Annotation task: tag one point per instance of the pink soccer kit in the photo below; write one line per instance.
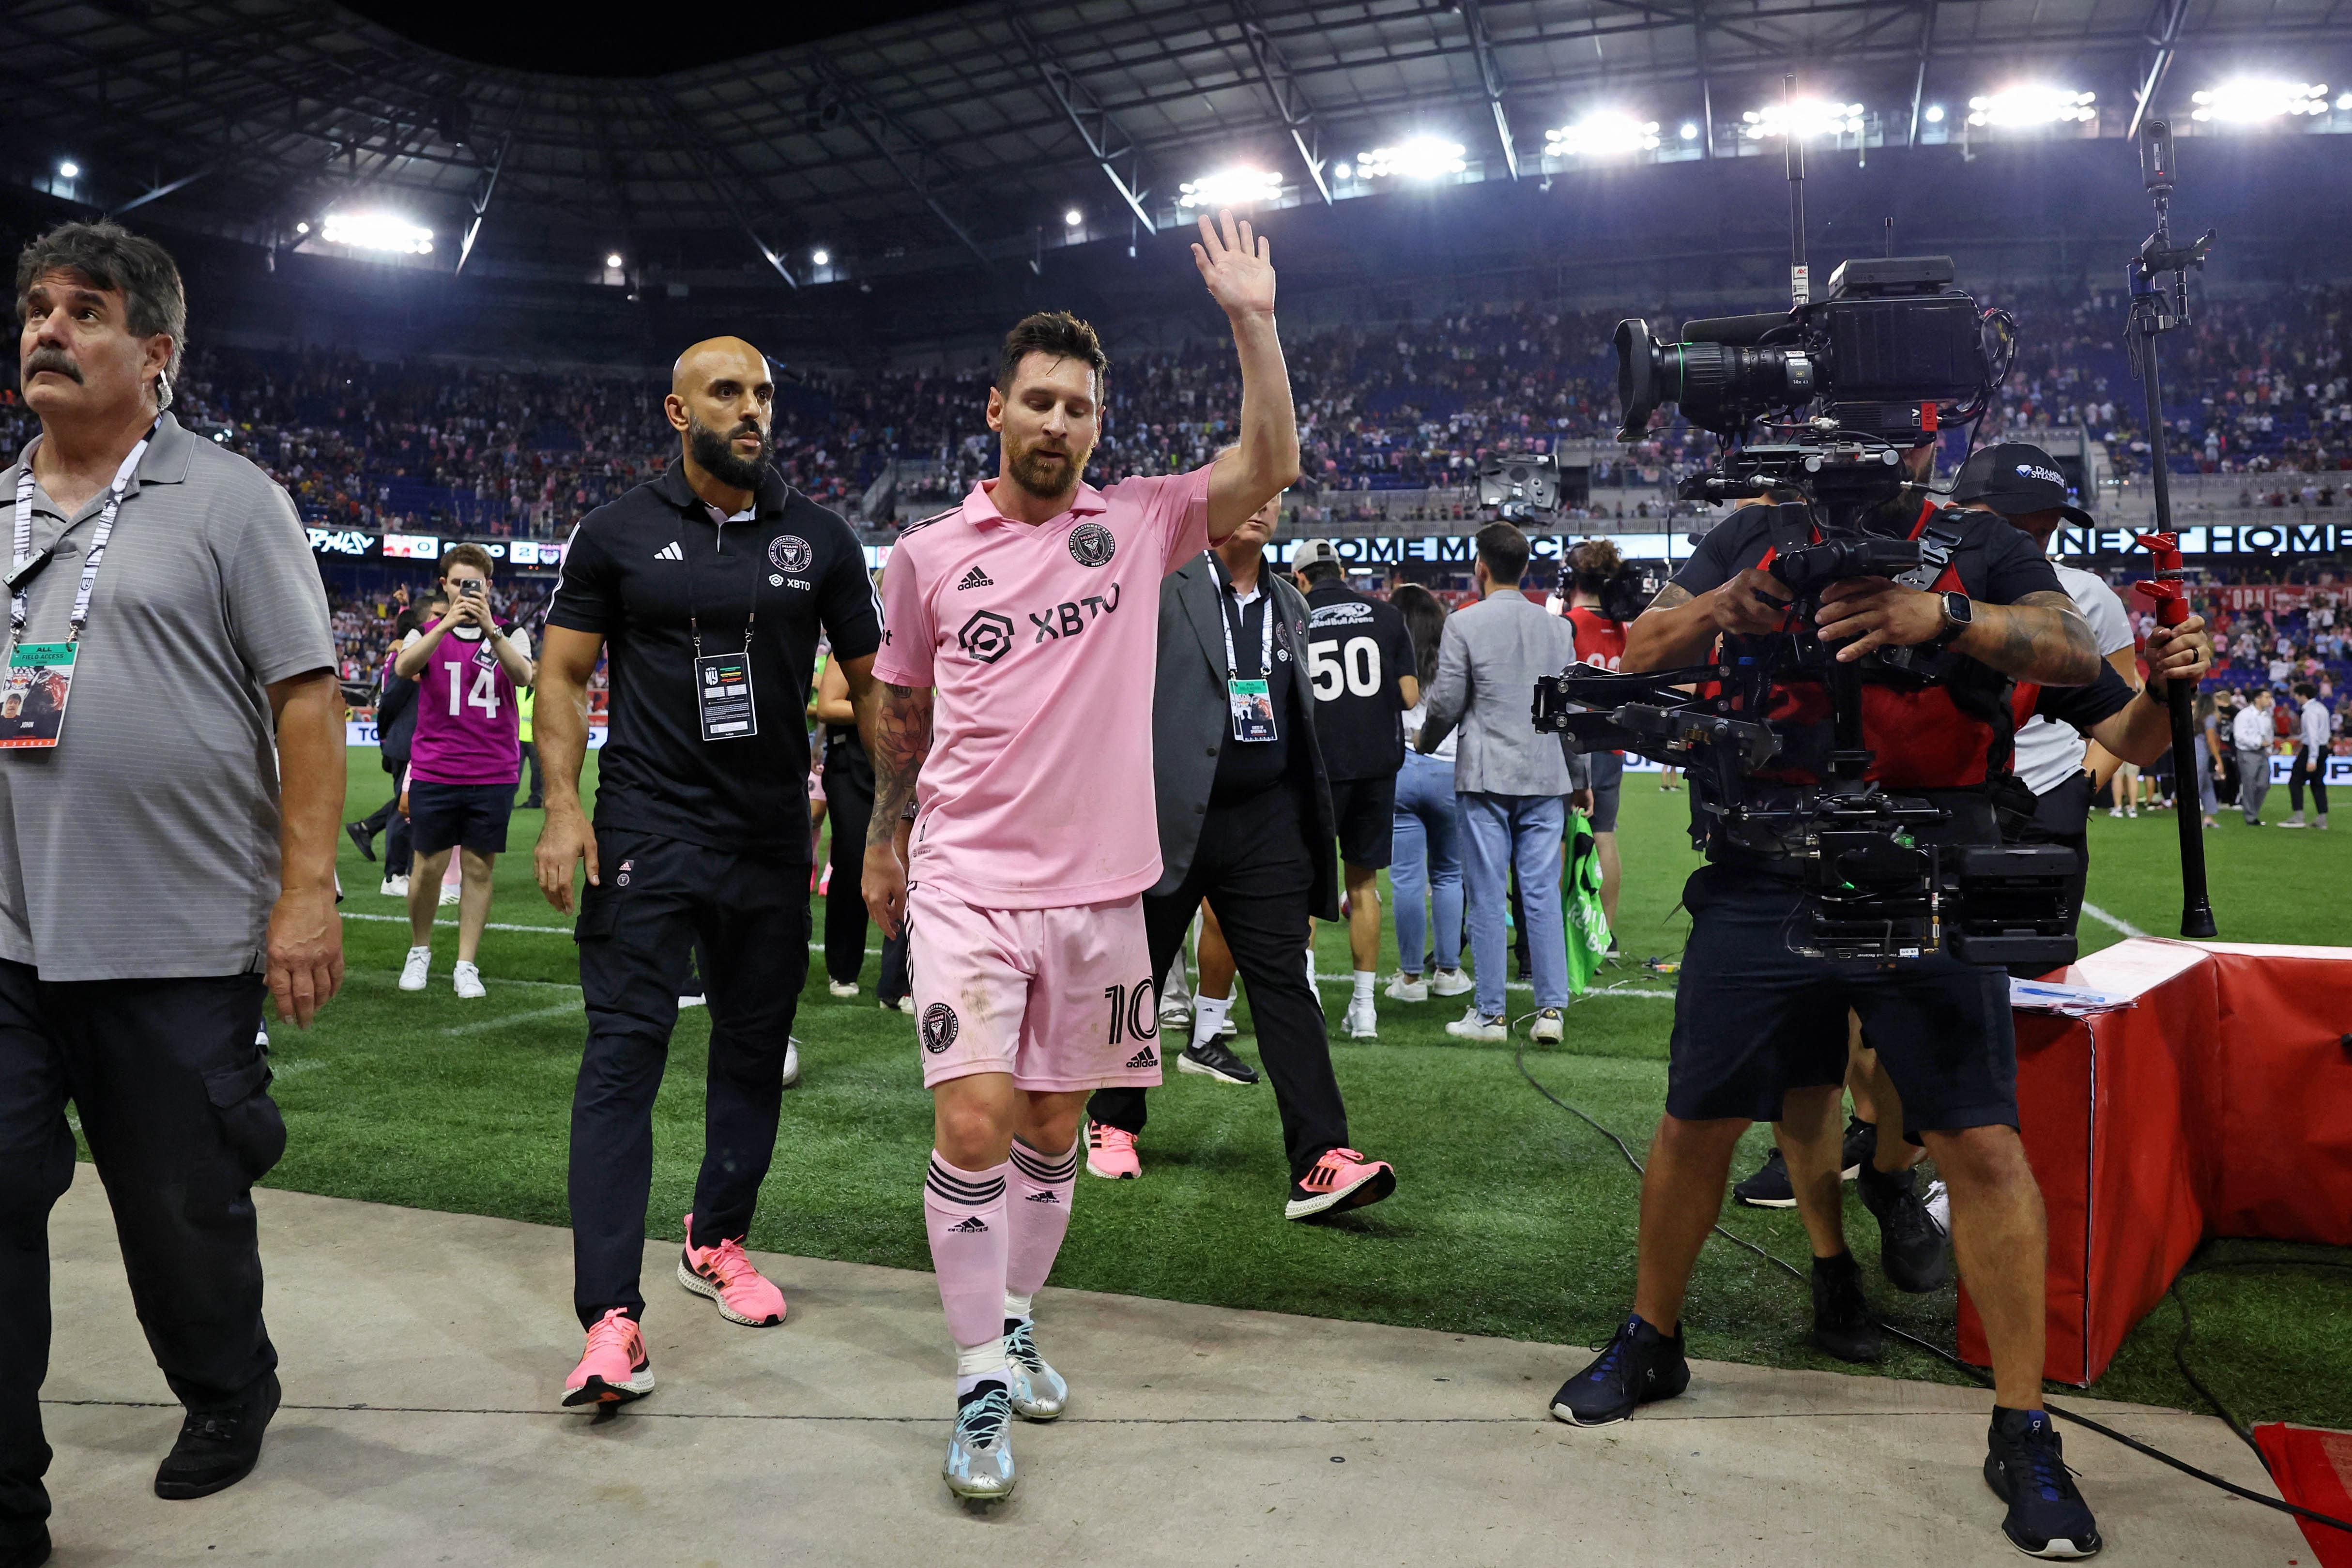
(467, 727)
(1036, 833)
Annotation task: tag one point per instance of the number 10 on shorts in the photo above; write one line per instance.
(1134, 1010)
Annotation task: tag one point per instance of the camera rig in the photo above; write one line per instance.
(1864, 376)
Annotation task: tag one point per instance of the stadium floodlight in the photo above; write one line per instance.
(69, 169)
(1604, 133)
(613, 261)
(302, 228)
(2246, 100)
(1074, 217)
(2013, 106)
(377, 231)
(1240, 186)
(823, 257)
(2345, 101)
(1416, 158)
(1690, 130)
(1807, 118)
(1935, 114)
(1343, 169)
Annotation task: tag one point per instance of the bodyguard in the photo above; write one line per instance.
(167, 852)
(706, 588)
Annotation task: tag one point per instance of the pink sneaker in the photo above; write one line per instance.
(615, 1367)
(1110, 1152)
(724, 1274)
(1342, 1179)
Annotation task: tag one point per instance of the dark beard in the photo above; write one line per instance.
(717, 455)
(1044, 481)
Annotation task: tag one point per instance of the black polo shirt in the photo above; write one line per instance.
(636, 572)
(1357, 648)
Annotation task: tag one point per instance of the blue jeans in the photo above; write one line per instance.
(1501, 831)
(1428, 861)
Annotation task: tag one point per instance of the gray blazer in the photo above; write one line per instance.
(1190, 724)
(1487, 668)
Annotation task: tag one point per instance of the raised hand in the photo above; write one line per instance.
(1236, 265)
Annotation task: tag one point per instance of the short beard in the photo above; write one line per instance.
(716, 453)
(1025, 469)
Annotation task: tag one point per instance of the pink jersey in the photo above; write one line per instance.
(1041, 641)
(467, 728)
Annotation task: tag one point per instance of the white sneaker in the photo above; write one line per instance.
(695, 1000)
(1938, 1200)
(1364, 1021)
(1474, 1025)
(395, 887)
(1401, 989)
(412, 972)
(467, 980)
(1545, 1030)
(2294, 822)
(2114, 810)
(792, 1061)
(1451, 983)
(448, 895)
(842, 987)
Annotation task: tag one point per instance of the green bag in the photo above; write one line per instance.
(1587, 926)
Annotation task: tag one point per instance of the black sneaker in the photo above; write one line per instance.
(1861, 1148)
(2026, 1468)
(1842, 1321)
(27, 1548)
(1770, 1187)
(1638, 1365)
(1910, 1248)
(217, 1449)
(362, 837)
(1211, 1060)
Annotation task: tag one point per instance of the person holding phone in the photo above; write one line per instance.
(463, 760)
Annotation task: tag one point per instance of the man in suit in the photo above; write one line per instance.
(1245, 821)
(1510, 779)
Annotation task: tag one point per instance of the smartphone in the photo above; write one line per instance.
(471, 587)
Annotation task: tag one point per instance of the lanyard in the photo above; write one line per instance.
(1265, 652)
(19, 607)
(693, 621)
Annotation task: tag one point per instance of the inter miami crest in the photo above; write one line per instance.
(939, 1027)
(1091, 544)
(987, 636)
(789, 552)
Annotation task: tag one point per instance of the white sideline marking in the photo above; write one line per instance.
(481, 1026)
(506, 925)
(2104, 918)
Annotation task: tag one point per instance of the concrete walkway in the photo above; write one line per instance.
(424, 1353)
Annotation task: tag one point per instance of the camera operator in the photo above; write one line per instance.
(1765, 1038)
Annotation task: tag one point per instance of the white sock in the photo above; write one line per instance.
(1018, 1306)
(1209, 1016)
(1364, 979)
(426, 950)
(978, 1364)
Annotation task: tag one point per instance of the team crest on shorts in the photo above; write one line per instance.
(789, 552)
(1091, 544)
(939, 1027)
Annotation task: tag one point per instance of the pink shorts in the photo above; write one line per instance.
(1063, 999)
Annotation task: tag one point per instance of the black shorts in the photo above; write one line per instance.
(445, 816)
(1608, 786)
(1365, 810)
(1753, 1020)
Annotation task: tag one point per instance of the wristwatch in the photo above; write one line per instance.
(1959, 616)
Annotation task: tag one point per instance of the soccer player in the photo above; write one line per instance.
(1014, 715)
(464, 760)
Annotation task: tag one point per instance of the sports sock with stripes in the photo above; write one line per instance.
(1039, 1206)
(964, 1211)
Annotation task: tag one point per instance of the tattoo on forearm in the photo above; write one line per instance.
(2042, 637)
(900, 741)
(1672, 597)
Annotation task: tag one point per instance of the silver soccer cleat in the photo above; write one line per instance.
(1038, 1392)
(980, 1450)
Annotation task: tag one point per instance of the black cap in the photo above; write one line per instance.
(2014, 478)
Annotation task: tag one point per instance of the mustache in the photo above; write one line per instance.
(50, 359)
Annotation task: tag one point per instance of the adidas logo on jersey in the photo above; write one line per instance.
(670, 551)
(1144, 1058)
(972, 1226)
(975, 578)
(1041, 1197)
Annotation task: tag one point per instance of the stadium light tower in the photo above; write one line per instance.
(1236, 187)
(377, 231)
(1806, 118)
(69, 169)
(613, 261)
(2023, 106)
(1073, 218)
(1415, 158)
(822, 257)
(1606, 134)
(2247, 101)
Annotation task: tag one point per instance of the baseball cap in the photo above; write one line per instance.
(2014, 477)
(1316, 552)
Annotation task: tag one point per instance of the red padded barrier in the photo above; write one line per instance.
(2221, 1104)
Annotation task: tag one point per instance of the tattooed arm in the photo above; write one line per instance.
(2042, 637)
(1680, 627)
(895, 723)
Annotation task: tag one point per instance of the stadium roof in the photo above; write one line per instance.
(934, 139)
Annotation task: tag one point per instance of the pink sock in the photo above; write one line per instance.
(1040, 1214)
(964, 1212)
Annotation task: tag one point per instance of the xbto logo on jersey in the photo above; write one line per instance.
(789, 552)
(1091, 544)
(1064, 620)
(987, 636)
(939, 1027)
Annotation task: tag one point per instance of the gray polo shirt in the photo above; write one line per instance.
(145, 845)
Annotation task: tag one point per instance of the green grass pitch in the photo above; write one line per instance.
(1510, 1218)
